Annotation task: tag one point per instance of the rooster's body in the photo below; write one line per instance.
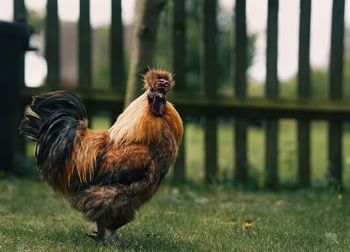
(106, 175)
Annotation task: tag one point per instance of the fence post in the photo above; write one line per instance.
(84, 45)
(179, 68)
(335, 91)
(117, 83)
(271, 139)
(240, 84)
(304, 90)
(52, 45)
(14, 39)
(208, 82)
(116, 49)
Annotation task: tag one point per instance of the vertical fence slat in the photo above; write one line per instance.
(210, 139)
(116, 48)
(304, 153)
(241, 150)
(179, 64)
(271, 140)
(84, 45)
(335, 91)
(19, 11)
(304, 88)
(179, 54)
(52, 47)
(240, 84)
(208, 75)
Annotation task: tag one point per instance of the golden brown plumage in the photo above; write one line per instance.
(106, 175)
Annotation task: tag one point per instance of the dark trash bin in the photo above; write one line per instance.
(14, 42)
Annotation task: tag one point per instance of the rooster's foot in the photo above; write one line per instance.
(115, 239)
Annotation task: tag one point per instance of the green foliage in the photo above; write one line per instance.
(34, 218)
(36, 20)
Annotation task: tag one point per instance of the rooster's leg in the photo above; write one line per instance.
(98, 233)
(116, 239)
(101, 231)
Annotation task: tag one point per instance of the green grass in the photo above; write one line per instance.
(33, 218)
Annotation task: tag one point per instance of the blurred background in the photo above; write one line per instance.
(194, 152)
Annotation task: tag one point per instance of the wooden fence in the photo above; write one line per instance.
(208, 104)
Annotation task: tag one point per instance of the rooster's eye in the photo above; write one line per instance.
(152, 89)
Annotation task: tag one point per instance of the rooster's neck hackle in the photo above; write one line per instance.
(138, 125)
(145, 121)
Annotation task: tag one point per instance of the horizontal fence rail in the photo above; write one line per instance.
(208, 104)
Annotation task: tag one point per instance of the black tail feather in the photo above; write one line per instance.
(52, 124)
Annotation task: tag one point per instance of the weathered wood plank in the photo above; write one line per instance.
(19, 15)
(240, 55)
(335, 152)
(304, 90)
(116, 49)
(84, 45)
(52, 46)
(304, 87)
(178, 46)
(208, 84)
(11, 82)
(304, 153)
(208, 47)
(179, 69)
(337, 50)
(249, 107)
(210, 149)
(271, 88)
(271, 157)
(241, 150)
(335, 90)
(240, 86)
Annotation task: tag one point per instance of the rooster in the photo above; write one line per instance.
(107, 175)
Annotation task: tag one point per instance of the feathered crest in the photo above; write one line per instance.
(151, 78)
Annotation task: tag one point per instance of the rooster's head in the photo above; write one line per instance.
(157, 83)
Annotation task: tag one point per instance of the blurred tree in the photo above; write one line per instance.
(144, 42)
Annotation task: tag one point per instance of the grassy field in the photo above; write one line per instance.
(34, 218)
